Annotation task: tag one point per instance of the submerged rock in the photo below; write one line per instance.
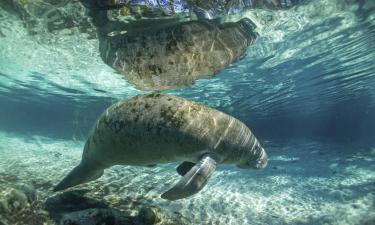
(98, 216)
(147, 216)
(177, 55)
(110, 216)
(12, 200)
(29, 191)
(77, 208)
(20, 206)
(70, 201)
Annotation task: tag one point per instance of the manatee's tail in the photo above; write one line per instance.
(80, 174)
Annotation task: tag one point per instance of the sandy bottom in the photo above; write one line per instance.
(306, 182)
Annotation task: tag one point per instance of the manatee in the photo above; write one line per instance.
(176, 55)
(153, 129)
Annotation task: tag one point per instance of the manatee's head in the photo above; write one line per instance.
(254, 158)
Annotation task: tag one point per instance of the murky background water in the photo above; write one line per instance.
(306, 88)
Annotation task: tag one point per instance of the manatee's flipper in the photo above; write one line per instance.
(184, 167)
(193, 181)
(80, 174)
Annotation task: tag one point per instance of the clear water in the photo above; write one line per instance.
(306, 88)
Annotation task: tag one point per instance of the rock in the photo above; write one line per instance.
(12, 200)
(75, 208)
(147, 216)
(98, 216)
(29, 191)
(70, 201)
(20, 206)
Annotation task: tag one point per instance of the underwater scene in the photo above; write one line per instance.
(177, 112)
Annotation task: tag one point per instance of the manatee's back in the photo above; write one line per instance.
(148, 129)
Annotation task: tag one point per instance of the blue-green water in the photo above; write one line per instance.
(306, 88)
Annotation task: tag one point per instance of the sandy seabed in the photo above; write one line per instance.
(306, 182)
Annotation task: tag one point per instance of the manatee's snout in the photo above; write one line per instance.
(262, 160)
(259, 162)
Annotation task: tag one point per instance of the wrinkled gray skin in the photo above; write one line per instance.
(156, 128)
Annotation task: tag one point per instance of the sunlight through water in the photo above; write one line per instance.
(305, 87)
